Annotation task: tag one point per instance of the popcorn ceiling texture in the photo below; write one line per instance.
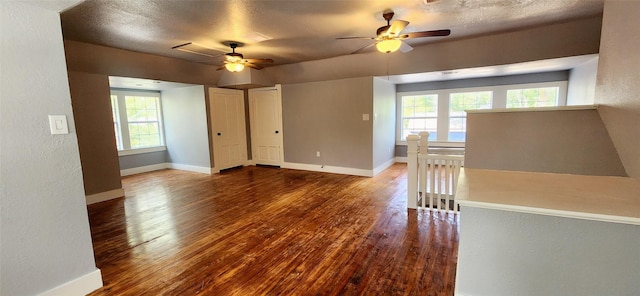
(301, 30)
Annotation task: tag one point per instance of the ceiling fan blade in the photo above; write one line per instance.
(434, 33)
(396, 27)
(253, 61)
(344, 38)
(250, 65)
(404, 48)
(363, 48)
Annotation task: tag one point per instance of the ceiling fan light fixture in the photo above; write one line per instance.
(388, 45)
(234, 67)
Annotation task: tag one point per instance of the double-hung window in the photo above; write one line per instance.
(533, 97)
(458, 103)
(442, 113)
(420, 113)
(137, 120)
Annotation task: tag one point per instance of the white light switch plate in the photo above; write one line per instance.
(365, 117)
(58, 124)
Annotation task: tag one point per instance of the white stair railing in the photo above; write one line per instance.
(432, 178)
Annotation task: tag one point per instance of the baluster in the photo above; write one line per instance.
(447, 179)
(432, 185)
(423, 168)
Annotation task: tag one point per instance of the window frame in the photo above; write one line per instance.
(401, 111)
(123, 122)
(499, 101)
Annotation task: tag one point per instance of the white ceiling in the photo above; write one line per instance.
(300, 30)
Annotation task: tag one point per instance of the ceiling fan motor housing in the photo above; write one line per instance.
(235, 55)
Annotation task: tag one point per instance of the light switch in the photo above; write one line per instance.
(58, 124)
(365, 117)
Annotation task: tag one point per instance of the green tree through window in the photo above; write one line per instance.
(532, 97)
(420, 113)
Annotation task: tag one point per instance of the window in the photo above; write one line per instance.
(532, 97)
(459, 102)
(116, 125)
(420, 113)
(442, 112)
(137, 119)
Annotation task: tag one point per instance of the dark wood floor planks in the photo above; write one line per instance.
(268, 231)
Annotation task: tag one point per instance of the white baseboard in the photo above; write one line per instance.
(383, 166)
(103, 196)
(327, 169)
(144, 169)
(191, 168)
(402, 159)
(167, 165)
(79, 286)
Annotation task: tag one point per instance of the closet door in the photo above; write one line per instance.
(265, 108)
(228, 129)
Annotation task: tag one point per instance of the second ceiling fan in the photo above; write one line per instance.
(389, 38)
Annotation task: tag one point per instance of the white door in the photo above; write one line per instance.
(228, 128)
(265, 108)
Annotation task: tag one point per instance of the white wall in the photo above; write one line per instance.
(618, 87)
(45, 238)
(185, 126)
(582, 83)
(506, 253)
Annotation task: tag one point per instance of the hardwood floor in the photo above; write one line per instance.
(268, 231)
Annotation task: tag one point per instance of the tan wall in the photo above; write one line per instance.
(89, 67)
(96, 137)
(110, 61)
(618, 82)
(572, 142)
(578, 37)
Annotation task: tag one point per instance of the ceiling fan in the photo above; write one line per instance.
(235, 62)
(389, 38)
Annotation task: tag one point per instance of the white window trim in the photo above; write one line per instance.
(499, 98)
(122, 116)
(141, 150)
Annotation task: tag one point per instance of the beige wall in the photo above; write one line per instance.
(110, 61)
(571, 142)
(96, 137)
(326, 116)
(618, 82)
(89, 67)
(578, 37)
(321, 86)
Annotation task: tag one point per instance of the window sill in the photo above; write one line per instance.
(437, 144)
(141, 150)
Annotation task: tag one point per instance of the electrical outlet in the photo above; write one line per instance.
(317, 153)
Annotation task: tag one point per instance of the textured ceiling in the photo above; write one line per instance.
(301, 30)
